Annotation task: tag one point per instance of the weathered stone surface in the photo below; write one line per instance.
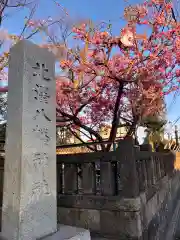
(128, 185)
(122, 224)
(173, 225)
(69, 233)
(111, 224)
(166, 200)
(99, 202)
(144, 217)
(29, 196)
(85, 218)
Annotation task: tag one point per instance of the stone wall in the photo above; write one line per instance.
(157, 211)
(143, 217)
(138, 204)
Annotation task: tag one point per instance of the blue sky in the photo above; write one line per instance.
(97, 10)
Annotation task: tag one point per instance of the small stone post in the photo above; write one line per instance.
(29, 195)
(128, 178)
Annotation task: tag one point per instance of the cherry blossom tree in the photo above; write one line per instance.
(119, 80)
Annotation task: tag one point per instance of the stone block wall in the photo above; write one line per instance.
(144, 217)
(122, 223)
(142, 200)
(157, 211)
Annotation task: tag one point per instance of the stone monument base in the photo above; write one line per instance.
(69, 233)
(65, 233)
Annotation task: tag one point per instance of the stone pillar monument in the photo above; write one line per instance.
(29, 194)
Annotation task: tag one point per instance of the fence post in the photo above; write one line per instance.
(70, 179)
(107, 179)
(128, 182)
(88, 178)
(59, 176)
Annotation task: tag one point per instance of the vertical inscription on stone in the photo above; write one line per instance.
(41, 71)
(41, 95)
(42, 133)
(41, 112)
(40, 159)
(40, 185)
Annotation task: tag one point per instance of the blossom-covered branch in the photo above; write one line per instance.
(131, 72)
